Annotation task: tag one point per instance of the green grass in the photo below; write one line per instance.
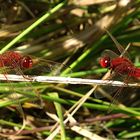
(59, 34)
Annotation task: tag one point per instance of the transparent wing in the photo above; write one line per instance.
(104, 91)
(118, 45)
(46, 67)
(40, 67)
(109, 53)
(28, 85)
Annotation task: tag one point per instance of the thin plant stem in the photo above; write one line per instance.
(33, 26)
(66, 80)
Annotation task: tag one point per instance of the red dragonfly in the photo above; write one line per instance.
(14, 62)
(17, 62)
(121, 65)
(11, 60)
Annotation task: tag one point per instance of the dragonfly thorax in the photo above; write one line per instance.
(122, 65)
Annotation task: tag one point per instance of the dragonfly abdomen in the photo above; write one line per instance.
(135, 72)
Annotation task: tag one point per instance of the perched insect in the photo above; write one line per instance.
(20, 64)
(121, 67)
(16, 63)
(13, 59)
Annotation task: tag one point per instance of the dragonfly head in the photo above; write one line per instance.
(105, 62)
(26, 62)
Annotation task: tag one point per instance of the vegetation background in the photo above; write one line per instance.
(69, 32)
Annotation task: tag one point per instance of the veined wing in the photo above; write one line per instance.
(118, 45)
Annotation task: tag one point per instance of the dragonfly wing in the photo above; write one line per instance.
(47, 67)
(109, 53)
(104, 91)
(118, 45)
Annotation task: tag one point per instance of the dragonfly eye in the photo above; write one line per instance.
(105, 62)
(26, 62)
